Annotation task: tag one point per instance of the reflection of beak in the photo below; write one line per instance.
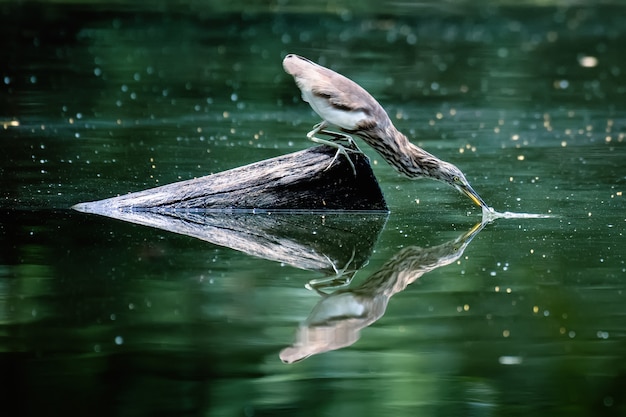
(473, 195)
(477, 227)
(464, 240)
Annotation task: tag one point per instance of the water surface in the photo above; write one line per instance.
(102, 316)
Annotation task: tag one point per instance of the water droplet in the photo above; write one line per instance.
(588, 61)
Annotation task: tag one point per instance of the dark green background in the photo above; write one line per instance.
(101, 317)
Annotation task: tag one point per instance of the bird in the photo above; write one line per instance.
(343, 103)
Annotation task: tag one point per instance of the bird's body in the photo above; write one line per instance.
(342, 102)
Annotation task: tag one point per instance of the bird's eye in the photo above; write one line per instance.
(456, 178)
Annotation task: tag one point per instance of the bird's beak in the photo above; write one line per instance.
(473, 195)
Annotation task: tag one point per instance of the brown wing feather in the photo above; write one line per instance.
(340, 91)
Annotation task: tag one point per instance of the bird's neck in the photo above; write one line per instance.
(404, 156)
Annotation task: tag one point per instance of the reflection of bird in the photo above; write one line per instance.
(338, 318)
(343, 103)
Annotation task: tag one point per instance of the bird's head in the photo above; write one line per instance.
(452, 175)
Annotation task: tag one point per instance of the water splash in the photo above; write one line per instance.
(489, 214)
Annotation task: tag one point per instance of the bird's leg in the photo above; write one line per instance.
(342, 136)
(337, 136)
(341, 150)
(342, 277)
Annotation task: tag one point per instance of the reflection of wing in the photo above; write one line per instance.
(337, 319)
(334, 323)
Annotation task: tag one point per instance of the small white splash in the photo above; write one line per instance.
(510, 360)
(119, 340)
(489, 214)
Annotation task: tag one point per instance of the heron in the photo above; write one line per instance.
(343, 103)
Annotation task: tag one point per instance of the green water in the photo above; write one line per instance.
(104, 317)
